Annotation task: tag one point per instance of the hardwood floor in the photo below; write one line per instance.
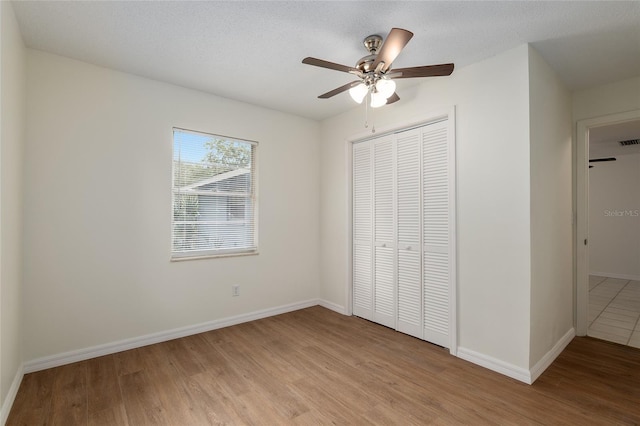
(314, 366)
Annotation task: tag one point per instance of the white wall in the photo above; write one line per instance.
(614, 217)
(98, 209)
(12, 125)
(621, 96)
(492, 139)
(551, 195)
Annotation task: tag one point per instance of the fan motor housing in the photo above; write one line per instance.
(372, 43)
(365, 63)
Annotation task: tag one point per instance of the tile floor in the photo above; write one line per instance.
(614, 310)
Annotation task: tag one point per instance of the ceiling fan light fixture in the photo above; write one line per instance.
(377, 99)
(376, 76)
(359, 92)
(386, 87)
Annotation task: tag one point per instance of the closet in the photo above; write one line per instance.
(403, 221)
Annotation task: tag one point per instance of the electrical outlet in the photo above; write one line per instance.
(235, 290)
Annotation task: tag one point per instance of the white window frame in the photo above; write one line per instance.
(253, 196)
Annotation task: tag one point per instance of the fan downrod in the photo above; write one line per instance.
(372, 43)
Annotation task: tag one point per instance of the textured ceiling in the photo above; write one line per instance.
(251, 51)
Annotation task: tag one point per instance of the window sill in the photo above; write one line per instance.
(212, 256)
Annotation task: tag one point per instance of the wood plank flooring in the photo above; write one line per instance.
(316, 367)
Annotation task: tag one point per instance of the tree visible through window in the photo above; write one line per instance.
(213, 195)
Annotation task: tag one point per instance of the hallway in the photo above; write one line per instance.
(614, 310)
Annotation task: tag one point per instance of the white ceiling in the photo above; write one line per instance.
(252, 51)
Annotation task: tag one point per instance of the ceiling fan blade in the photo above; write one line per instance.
(600, 160)
(424, 71)
(339, 90)
(330, 65)
(393, 98)
(391, 48)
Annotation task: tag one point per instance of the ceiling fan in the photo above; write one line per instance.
(374, 72)
(600, 160)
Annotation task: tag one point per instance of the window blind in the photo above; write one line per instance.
(213, 195)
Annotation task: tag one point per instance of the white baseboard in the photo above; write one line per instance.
(518, 373)
(163, 336)
(495, 364)
(11, 395)
(618, 276)
(333, 306)
(550, 356)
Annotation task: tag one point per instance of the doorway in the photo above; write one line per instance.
(608, 206)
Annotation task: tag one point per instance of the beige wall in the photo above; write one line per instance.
(621, 96)
(98, 209)
(12, 125)
(492, 143)
(551, 222)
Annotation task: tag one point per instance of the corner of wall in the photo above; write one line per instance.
(551, 292)
(8, 401)
(12, 134)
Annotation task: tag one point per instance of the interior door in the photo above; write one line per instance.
(409, 232)
(384, 305)
(362, 230)
(437, 193)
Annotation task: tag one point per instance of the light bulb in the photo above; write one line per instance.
(359, 92)
(377, 99)
(386, 87)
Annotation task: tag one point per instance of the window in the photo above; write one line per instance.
(213, 195)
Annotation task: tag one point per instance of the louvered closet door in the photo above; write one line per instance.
(436, 198)
(403, 221)
(384, 295)
(363, 230)
(408, 231)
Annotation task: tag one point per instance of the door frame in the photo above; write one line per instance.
(428, 117)
(582, 210)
